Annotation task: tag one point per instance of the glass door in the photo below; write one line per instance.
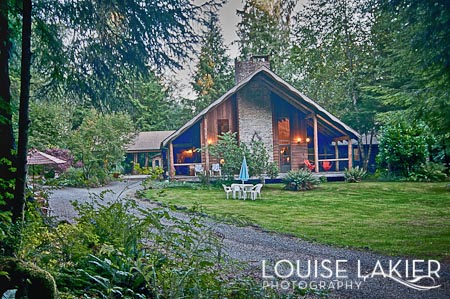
(285, 158)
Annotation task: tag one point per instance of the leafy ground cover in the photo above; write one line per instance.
(394, 218)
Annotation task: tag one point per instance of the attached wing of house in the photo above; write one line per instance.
(295, 128)
(145, 149)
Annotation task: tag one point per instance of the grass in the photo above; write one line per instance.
(394, 218)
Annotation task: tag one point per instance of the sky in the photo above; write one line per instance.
(228, 21)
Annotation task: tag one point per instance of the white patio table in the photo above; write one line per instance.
(244, 188)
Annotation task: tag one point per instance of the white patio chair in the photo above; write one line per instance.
(227, 190)
(215, 168)
(255, 191)
(236, 188)
(198, 168)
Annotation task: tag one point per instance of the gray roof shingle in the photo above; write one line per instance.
(148, 141)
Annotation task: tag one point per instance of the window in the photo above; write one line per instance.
(284, 131)
(223, 126)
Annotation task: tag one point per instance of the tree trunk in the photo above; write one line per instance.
(369, 150)
(365, 155)
(362, 152)
(19, 196)
(6, 130)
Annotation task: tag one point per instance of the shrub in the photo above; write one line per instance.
(257, 156)
(272, 170)
(403, 147)
(300, 180)
(154, 173)
(354, 175)
(99, 142)
(323, 179)
(232, 152)
(429, 172)
(228, 149)
(75, 177)
(72, 177)
(117, 250)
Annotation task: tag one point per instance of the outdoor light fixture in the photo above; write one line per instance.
(308, 139)
(299, 140)
(222, 161)
(209, 142)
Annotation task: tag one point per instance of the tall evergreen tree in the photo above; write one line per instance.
(100, 43)
(125, 40)
(264, 29)
(6, 110)
(24, 119)
(153, 106)
(213, 76)
(414, 67)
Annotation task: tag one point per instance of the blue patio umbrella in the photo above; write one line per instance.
(243, 174)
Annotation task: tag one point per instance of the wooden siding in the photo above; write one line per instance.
(226, 110)
(299, 151)
(223, 111)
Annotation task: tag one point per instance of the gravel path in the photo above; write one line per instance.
(253, 245)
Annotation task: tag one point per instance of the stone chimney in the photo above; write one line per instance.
(242, 69)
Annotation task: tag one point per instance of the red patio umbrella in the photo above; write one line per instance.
(36, 157)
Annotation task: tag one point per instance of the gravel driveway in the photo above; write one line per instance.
(253, 245)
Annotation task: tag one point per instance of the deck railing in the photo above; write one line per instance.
(336, 164)
(187, 169)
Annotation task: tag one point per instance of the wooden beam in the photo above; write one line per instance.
(316, 145)
(293, 101)
(311, 115)
(171, 161)
(331, 160)
(336, 153)
(350, 154)
(332, 125)
(205, 132)
(288, 98)
(346, 137)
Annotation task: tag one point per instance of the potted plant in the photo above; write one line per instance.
(117, 171)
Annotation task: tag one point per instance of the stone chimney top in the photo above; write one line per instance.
(243, 69)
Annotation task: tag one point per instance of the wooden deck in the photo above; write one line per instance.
(330, 174)
(333, 175)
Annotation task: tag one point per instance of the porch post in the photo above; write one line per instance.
(205, 132)
(336, 153)
(316, 144)
(171, 167)
(350, 154)
(135, 161)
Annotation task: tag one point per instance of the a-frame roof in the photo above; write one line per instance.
(296, 97)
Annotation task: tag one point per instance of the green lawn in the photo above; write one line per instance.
(395, 218)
